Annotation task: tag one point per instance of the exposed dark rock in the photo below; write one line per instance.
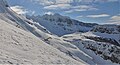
(106, 51)
(101, 39)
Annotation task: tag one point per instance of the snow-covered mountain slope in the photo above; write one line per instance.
(105, 33)
(29, 42)
(97, 50)
(61, 25)
(76, 49)
(20, 47)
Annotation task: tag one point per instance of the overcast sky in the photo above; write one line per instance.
(97, 11)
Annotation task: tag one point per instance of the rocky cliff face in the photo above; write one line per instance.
(106, 51)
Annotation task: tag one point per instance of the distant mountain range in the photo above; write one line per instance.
(61, 25)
